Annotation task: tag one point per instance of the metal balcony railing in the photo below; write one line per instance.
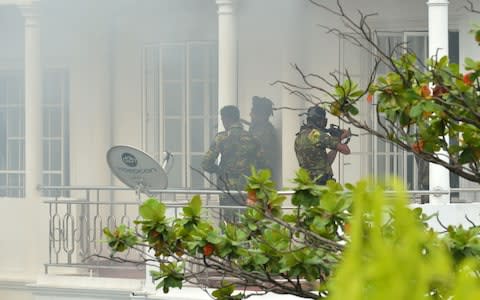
(76, 223)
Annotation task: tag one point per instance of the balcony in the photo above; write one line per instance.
(76, 222)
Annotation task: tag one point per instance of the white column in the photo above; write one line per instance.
(439, 177)
(33, 102)
(227, 55)
(37, 244)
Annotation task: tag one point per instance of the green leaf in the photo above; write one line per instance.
(468, 155)
(432, 107)
(416, 110)
(470, 64)
(442, 62)
(260, 259)
(353, 110)
(153, 210)
(194, 208)
(214, 238)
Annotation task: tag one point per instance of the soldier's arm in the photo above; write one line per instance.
(343, 148)
(208, 161)
(329, 141)
(331, 156)
(334, 144)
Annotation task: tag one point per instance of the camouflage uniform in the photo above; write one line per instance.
(310, 147)
(239, 151)
(264, 132)
(266, 136)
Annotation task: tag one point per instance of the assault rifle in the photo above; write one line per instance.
(336, 131)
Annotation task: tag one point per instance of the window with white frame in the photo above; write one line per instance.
(180, 93)
(55, 130)
(12, 134)
(12, 131)
(390, 159)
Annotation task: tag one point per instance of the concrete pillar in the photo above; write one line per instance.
(439, 177)
(33, 102)
(37, 244)
(227, 55)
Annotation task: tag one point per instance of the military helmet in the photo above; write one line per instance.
(262, 105)
(315, 113)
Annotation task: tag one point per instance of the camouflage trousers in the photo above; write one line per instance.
(323, 179)
(227, 212)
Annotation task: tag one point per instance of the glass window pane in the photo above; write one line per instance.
(14, 91)
(381, 165)
(13, 180)
(21, 144)
(173, 98)
(213, 128)
(52, 122)
(213, 61)
(198, 62)
(15, 185)
(13, 162)
(3, 141)
(54, 115)
(3, 91)
(173, 65)
(399, 162)
(46, 156)
(173, 135)
(197, 179)
(55, 180)
(454, 47)
(53, 91)
(46, 179)
(176, 173)
(196, 135)
(46, 121)
(14, 120)
(212, 98)
(387, 43)
(410, 180)
(21, 122)
(197, 95)
(418, 45)
(3, 185)
(56, 155)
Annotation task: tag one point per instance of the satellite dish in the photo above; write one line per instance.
(136, 169)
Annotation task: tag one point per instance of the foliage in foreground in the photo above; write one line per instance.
(351, 242)
(392, 254)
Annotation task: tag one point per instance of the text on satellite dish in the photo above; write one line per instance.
(137, 171)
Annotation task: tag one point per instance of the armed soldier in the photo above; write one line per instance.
(264, 132)
(238, 150)
(311, 145)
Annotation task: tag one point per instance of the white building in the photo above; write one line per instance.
(79, 76)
